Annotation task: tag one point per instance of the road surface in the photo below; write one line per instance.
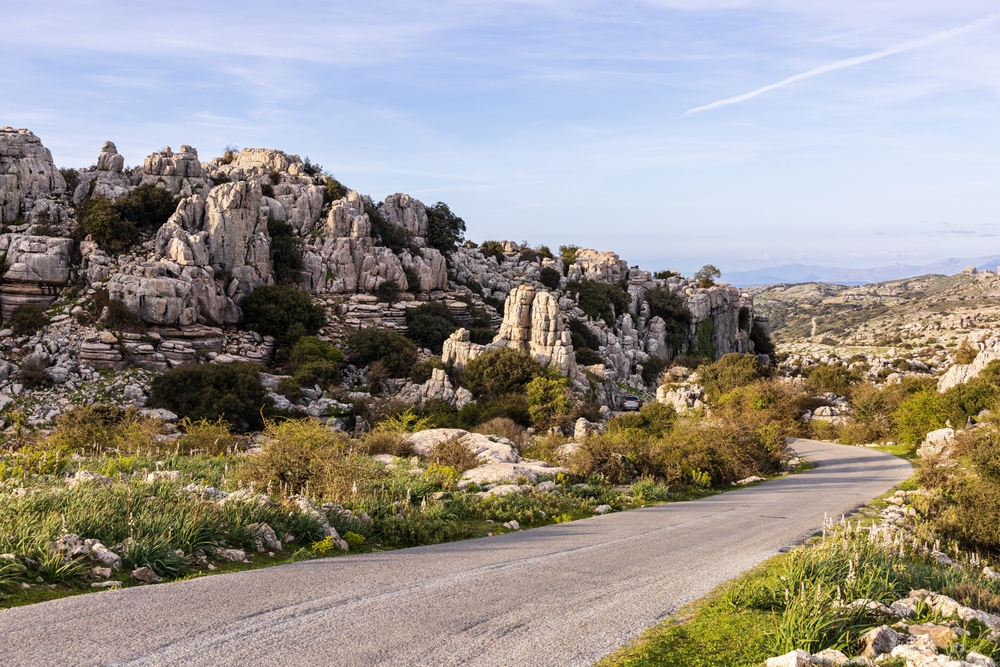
(561, 595)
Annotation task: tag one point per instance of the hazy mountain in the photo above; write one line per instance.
(802, 273)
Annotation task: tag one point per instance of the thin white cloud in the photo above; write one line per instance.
(851, 62)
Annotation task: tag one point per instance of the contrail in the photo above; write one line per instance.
(850, 62)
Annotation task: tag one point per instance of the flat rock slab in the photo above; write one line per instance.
(566, 594)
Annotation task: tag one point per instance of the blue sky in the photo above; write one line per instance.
(563, 122)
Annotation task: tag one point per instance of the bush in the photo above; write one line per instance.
(568, 254)
(98, 218)
(117, 317)
(72, 178)
(213, 391)
(314, 361)
(388, 291)
(102, 428)
(965, 353)
(550, 277)
(445, 230)
(600, 300)
(412, 280)
(206, 437)
(453, 454)
(482, 335)
(502, 371)
(33, 373)
(730, 372)
(26, 320)
(654, 420)
(703, 344)
(706, 276)
(492, 249)
(283, 312)
(429, 325)
(651, 370)
(918, 415)
(503, 427)
(672, 308)
(333, 190)
(147, 207)
(549, 401)
(761, 341)
(286, 253)
(831, 377)
(397, 353)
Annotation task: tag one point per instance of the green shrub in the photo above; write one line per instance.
(26, 320)
(98, 218)
(831, 377)
(703, 344)
(72, 178)
(286, 252)
(651, 370)
(412, 280)
(550, 277)
(453, 454)
(600, 300)
(333, 190)
(388, 291)
(397, 353)
(118, 316)
(429, 325)
(918, 415)
(706, 276)
(33, 373)
(492, 249)
(283, 312)
(653, 420)
(672, 307)
(761, 341)
(730, 372)
(212, 391)
(482, 335)
(587, 357)
(965, 353)
(147, 207)
(550, 401)
(568, 254)
(502, 371)
(445, 230)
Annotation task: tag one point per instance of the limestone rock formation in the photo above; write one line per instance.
(180, 173)
(107, 179)
(38, 267)
(27, 173)
(403, 211)
(989, 350)
(438, 388)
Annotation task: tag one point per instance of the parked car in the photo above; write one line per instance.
(631, 403)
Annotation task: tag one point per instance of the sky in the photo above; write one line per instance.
(673, 132)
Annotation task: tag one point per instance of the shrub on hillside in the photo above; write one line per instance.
(286, 252)
(568, 255)
(762, 343)
(445, 230)
(388, 291)
(333, 190)
(919, 414)
(387, 234)
(114, 314)
(26, 320)
(502, 371)
(706, 276)
(600, 300)
(147, 207)
(212, 391)
(422, 370)
(98, 218)
(831, 377)
(429, 325)
(283, 312)
(703, 344)
(397, 353)
(314, 361)
(730, 372)
(651, 370)
(550, 277)
(550, 401)
(492, 249)
(453, 454)
(672, 308)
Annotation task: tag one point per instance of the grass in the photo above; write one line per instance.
(797, 601)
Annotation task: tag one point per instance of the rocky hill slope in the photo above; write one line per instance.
(259, 216)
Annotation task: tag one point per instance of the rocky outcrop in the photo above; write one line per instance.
(179, 173)
(38, 268)
(437, 388)
(599, 266)
(107, 179)
(27, 173)
(404, 211)
(989, 350)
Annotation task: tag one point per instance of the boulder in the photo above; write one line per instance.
(107, 179)
(146, 576)
(27, 172)
(406, 212)
(179, 173)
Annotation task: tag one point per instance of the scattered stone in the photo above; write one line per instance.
(231, 555)
(106, 584)
(512, 525)
(796, 658)
(879, 641)
(602, 509)
(146, 575)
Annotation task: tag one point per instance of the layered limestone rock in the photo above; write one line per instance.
(408, 213)
(344, 258)
(107, 179)
(179, 173)
(532, 322)
(599, 266)
(27, 173)
(430, 267)
(298, 195)
(437, 388)
(38, 268)
(989, 350)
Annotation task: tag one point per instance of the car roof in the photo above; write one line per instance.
(631, 398)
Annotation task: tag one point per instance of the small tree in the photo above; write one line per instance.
(550, 277)
(429, 325)
(548, 400)
(445, 230)
(706, 276)
(213, 391)
(283, 312)
(397, 353)
(502, 371)
(672, 308)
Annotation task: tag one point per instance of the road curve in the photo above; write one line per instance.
(566, 594)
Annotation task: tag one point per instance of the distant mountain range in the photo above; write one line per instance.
(802, 273)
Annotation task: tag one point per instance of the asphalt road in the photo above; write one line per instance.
(560, 595)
